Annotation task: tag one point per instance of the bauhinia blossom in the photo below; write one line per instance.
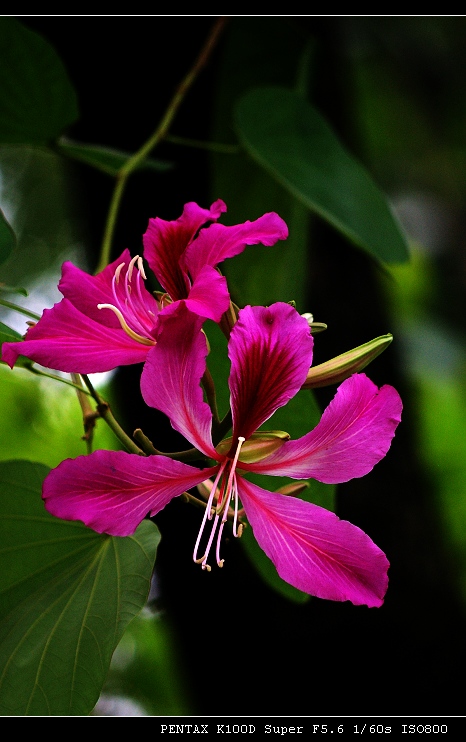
(270, 351)
(111, 319)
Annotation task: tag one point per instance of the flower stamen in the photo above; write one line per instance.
(228, 492)
(134, 315)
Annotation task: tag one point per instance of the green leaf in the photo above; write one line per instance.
(12, 289)
(266, 569)
(37, 99)
(67, 594)
(106, 159)
(282, 132)
(7, 239)
(260, 51)
(8, 335)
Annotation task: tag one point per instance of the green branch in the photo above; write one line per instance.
(161, 131)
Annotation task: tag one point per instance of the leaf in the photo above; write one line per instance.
(8, 335)
(282, 132)
(259, 51)
(37, 99)
(106, 159)
(67, 594)
(266, 569)
(13, 289)
(7, 239)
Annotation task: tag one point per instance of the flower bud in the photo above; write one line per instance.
(294, 489)
(340, 368)
(257, 447)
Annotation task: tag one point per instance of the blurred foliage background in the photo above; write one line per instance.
(393, 89)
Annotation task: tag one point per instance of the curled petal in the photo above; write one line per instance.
(66, 340)
(171, 377)
(113, 491)
(315, 551)
(270, 350)
(218, 242)
(165, 242)
(208, 296)
(354, 434)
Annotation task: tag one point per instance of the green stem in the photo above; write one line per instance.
(38, 372)
(209, 388)
(224, 427)
(89, 415)
(105, 413)
(161, 131)
(17, 308)
(191, 454)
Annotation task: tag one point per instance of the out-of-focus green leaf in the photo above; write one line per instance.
(8, 335)
(7, 239)
(283, 133)
(37, 99)
(67, 595)
(106, 159)
(260, 51)
(12, 289)
(146, 669)
(267, 571)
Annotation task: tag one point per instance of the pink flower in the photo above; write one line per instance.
(270, 351)
(111, 319)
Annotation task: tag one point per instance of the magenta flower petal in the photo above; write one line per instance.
(354, 434)
(66, 340)
(165, 242)
(208, 296)
(171, 377)
(86, 291)
(113, 491)
(315, 551)
(218, 242)
(270, 350)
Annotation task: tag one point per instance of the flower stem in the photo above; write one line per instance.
(191, 454)
(89, 415)
(160, 132)
(106, 414)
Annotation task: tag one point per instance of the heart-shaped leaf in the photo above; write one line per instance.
(67, 594)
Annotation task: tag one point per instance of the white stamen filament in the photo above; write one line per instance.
(130, 308)
(128, 330)
(229, 491)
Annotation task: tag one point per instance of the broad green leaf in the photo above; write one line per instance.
(67, 594)
(7, 238)
(106, 159)
(37, 99)
(282, 132)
